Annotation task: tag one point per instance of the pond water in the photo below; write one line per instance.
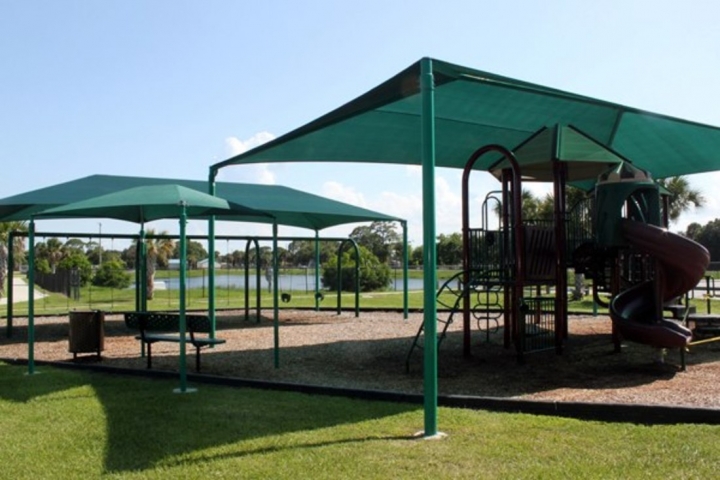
(285, 282)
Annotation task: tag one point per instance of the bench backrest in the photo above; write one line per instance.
(166, 322)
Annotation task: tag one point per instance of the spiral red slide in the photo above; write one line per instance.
(681, 263)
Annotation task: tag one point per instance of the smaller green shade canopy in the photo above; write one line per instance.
(151, 202)
(586, 158)
(283, 205)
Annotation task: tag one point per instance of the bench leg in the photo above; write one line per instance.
(197, 359)
(149, 355)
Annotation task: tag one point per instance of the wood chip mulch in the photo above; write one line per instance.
(369, 352)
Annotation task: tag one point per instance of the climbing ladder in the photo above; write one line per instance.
(449, 302)
(487, 308)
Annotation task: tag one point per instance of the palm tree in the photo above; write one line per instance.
(18, 248)
(533, 207)
(682, 196)
(54, 250)
(576, 202)
(159, 250)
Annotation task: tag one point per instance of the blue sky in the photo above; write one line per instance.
(166, 88)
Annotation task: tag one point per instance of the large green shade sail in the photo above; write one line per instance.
(475, 108)
(285, 205)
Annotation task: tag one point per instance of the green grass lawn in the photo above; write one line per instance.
(113, 300)
(72, 424)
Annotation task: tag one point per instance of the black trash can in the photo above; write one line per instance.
(87, 332)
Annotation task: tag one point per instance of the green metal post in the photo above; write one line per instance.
(276, 316)
(183, 321)
(339, 278)
(211, 254)
(138, 276)
(31, 297)
(246, 263)
(10, 280)
(405, 269)
(430, 383)
(143, 271)
(258, 282)
(317, 271)
(357, 277)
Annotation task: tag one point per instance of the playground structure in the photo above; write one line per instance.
(448, 110)
(617, 236)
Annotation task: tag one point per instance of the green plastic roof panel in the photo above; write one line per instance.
(475, 108)
(288, 206)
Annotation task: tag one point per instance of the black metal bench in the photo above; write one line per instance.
(165, 327)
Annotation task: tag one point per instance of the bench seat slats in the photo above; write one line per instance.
(164, 327)
(157, 337)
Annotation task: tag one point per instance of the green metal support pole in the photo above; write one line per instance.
(246, 263)
(317, 271)
(258, 283)
(211, 255)
(183, 285)
(10, 280)
(339, 278)
(357, 278)
(276, 313)
(138, 277)
(430, 381)
(405, 269)
(31, 297)
(143, 271)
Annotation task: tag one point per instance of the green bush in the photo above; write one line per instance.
(373, 274)
(112, 274)
(42, 266)
(80, 261)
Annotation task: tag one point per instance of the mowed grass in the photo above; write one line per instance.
(121, 300)
(72, 424)
(110, 300)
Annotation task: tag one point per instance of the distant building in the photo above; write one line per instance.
(205, 263)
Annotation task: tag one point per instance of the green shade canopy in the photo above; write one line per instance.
(288, 206)
(475, 108)
(151, 202)
(144, 204)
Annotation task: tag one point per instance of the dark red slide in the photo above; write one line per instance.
(681, 263)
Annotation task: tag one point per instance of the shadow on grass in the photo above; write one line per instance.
(492, 371)
(147, 424)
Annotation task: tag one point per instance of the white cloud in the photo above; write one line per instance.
(706, 183)
(261, 173)
(413, 170)
(235, 146)
(538, 189)
(410, 208)
(343, 193)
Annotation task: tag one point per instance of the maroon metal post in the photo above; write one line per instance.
(519, 244)
(509, 332)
